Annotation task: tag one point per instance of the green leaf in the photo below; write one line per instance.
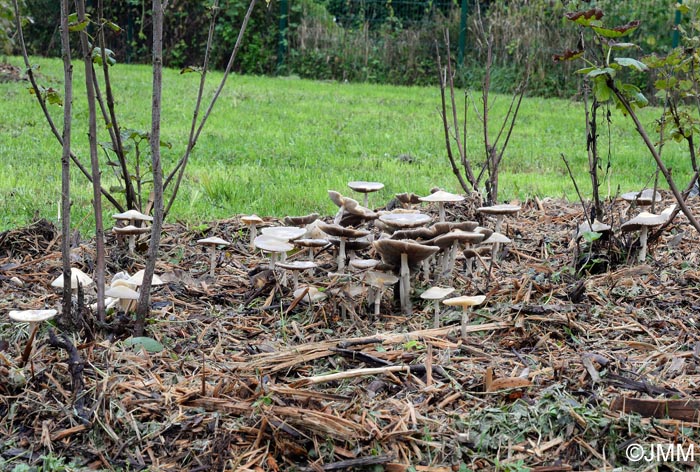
(148, 344)
(620, 46)
(189, 69)
(53, 96)
(605, 70)
(73, 27)
(567, 55)
(97, 56)
(585, 18)
(684, 9)
(586, 70)
(590, 236)
(619, 31)
(634, 63)
(113, 26)
(601, 90)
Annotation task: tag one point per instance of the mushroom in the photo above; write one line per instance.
(343, 234)
(404, 220)
(366, 188)
(33, 317)
(124, 294)
(300, 220)
(643, 198)
(405, 255)
(296, 267)
(252, 222)
(132, 216)
(211, 243)
(363, 264)
(466, 303)
(357, 213)
(441, 197)
(595, 227)
(137, 279)
(285, 233)
(311, 243)
(276, 247)
(499, 211)
(436, 294)
(643, 222)
(449, 243)
(495, 240)
(312, 295)
(379, 280)
(78, 279)
(131, 232)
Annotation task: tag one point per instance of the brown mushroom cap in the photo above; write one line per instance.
(365, 187)
(502, 209)
(445, 240)
(442, 196)
(408, 198)
(465, 301)
(442, 227)
(495, 238)
(300, 220)
(337, 198)
(643, 198)
(213, 241)
(391, 249)
(417, 234)
(354, 208)
(251, 220)
(363, 263)
(341, 231)
(311, 242)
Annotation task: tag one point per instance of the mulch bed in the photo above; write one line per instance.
(252, 378)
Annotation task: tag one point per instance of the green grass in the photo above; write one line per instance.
(274, 146)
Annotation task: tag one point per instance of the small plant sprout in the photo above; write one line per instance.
(500, 212)
(33, 317)
(252, 222)
(211, 244)
(442, 197)
(466, 303)
(379, 281)
(643, 222)
(78, 279)
(295, 267)
(435, 294)
(366, 188)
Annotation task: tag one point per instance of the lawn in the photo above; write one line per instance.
(274, 146)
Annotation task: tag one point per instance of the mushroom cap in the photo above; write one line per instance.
(311, 242)
(270, 244)
(337, 198)
(285, 233)
(405, 220)
(122, 292)
(77, 277)
(363, 263)
(446, 240)
(300, 220)
(437, 293)
(353, 244)
(132, 215)
(213, 241)
(643, 198)
(391, 250)
(365, 187)
(32, 316)
(251, 220)
(485, 231)
(131, 229)
(442, 196)
(474, 251)
(596, 227)
(380, 279)
(313, 295)
(342, 231)
(502, 209)
(137, 279)
(354, 208)
(496, 238)
(417, 234)
(297, 265)
(442, 227)
(465, 301)
(408, 198)
(643, 219)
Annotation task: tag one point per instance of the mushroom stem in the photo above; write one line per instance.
(441, 211)
(132, 244)
(366, 200)
(463, 324)
(341, 255)
(405, 286)
(339, 215)
(499, 223)
(212, 260)
(295, 279)
(644, 232)
(253, 234)
(436, 317)
(377, 302)
(28, 348)
(426, 269)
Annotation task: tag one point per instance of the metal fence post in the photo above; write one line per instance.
(676, 22)
(462, 33)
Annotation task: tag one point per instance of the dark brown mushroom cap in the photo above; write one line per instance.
(341, 231)
(487, 232)
(337, 198)
(466, 237)
(408, 198)
(643, 198)
(300, 220)
(353, 244)
(354, 208)
(311, 242)
(391, 249)
(474, 251)
(443, 227)
(502, 209)
(417, 234)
